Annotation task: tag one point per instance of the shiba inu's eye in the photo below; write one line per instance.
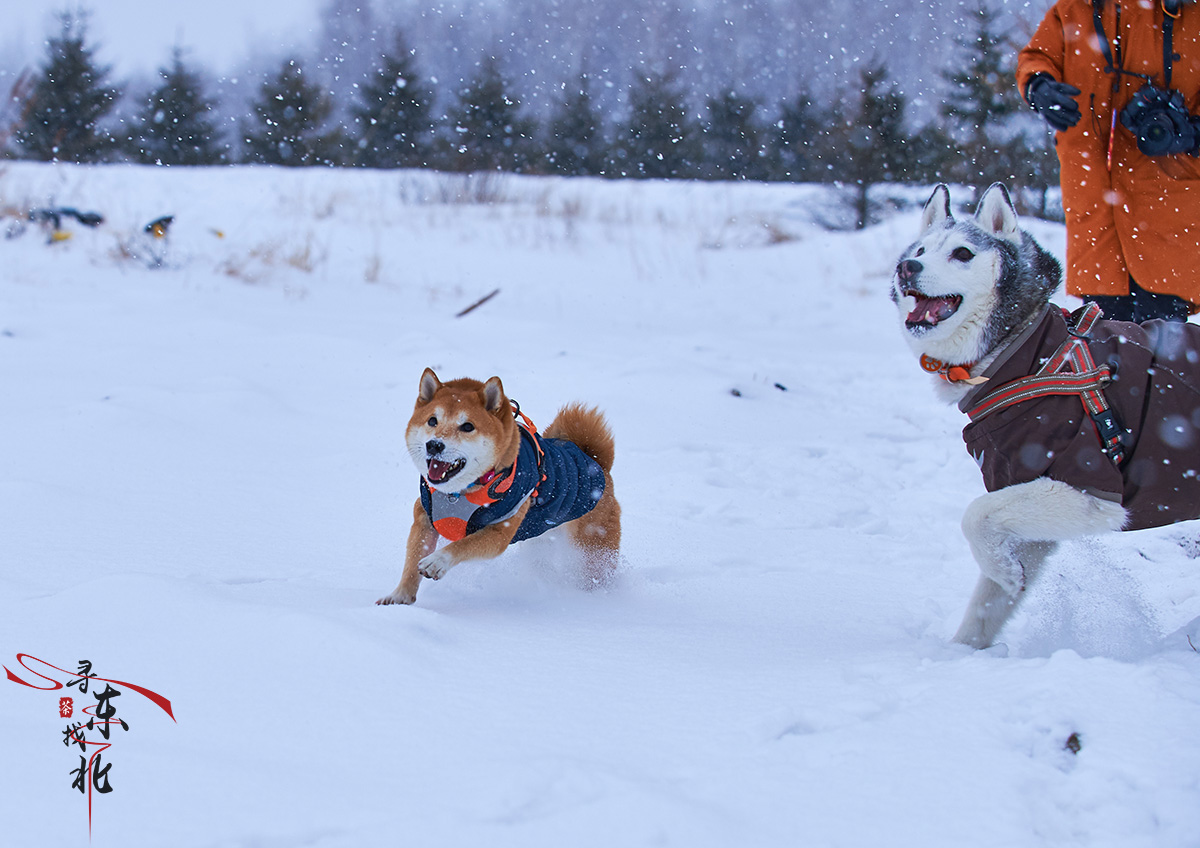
(962, 254)
(467, 427)
(432, 422)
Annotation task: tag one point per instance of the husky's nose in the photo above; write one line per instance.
(434, 446)
(908, 269)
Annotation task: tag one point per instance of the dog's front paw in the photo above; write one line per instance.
(397, 597)
(436, 564)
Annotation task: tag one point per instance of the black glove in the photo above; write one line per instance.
(1054, 101)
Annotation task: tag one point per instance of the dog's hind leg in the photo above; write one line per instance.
(1011, 532)
(597, 536)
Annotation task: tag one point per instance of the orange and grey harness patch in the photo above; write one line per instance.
(451, 514)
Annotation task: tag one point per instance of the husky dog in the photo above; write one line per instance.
(488, 480)
(965, 287)
(1066, 449)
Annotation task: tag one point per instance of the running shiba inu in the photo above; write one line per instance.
(1079, 425)
(488, 480)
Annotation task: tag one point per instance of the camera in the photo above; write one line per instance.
(1161, 123)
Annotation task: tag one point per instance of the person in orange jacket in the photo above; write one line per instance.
(1120, 82)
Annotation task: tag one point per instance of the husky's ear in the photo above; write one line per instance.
(429, 386)
(996, 213)
(937, 209)
(493, 395)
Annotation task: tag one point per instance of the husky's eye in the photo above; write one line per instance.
(920, 251)
(432, 422)
(467, 427)
(962, 254)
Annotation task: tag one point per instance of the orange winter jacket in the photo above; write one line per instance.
(1128, 214)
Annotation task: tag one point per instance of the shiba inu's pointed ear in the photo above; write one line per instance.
(493, 395)
(937, 209)
(996, 213)
(429, 386)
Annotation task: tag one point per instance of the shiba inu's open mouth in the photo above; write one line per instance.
(930, 311)
(440, 472)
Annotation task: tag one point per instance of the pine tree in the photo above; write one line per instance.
(488, 132)
(395, 129)
(290, 123)
(932, 155)
(731, 138)
(660, 138)
(1035, 172)
(982, 101)
(875, 146)
(177, 125)
(576, 145)
(795, 144)
(68, 101)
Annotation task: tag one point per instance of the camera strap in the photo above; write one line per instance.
(1115, 65)
(1169, 56)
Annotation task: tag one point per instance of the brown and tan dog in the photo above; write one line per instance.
(488, 480)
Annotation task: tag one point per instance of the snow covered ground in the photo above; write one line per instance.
(203, 490)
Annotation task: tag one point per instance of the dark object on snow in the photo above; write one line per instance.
(55, 216)
(478, 303)
(735, 392)
(159, 226)
(1054, 101)
(1074, 743)
(88, 219)
(781, 387)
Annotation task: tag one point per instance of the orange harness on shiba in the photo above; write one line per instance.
(456, 515)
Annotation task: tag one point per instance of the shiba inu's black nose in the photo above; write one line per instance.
(434, 446)
(907, 269)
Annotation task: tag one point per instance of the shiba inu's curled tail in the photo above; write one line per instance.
(586, 427)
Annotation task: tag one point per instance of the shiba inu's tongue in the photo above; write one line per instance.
(440, 472)
(931, 310)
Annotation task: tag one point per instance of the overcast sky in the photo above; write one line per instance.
(136, 36)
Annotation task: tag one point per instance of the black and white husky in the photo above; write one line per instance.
(969, 293)
(965, 287)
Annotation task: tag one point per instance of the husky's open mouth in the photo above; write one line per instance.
(440, 472)
(930, 311)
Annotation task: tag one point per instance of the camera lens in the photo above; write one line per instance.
(1157, 134)
(1160, 122)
